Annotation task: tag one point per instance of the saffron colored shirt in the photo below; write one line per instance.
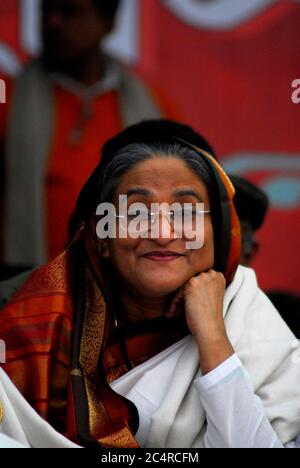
(85, 118)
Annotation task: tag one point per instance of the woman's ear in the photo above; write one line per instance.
(103, 249)
(102, 245)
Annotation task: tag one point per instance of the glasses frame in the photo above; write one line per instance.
(154, 216)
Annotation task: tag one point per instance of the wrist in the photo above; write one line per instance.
(211, 334)
(213, 352)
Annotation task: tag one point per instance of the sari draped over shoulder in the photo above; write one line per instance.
(62, 356)
(61, 352)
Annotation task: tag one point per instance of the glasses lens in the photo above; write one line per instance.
(138, 221)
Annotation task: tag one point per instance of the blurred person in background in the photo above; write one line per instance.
(142, 339)
(252, 207)
(62, 108)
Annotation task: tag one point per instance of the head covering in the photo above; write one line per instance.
(226, 224)
(147, 132)
(73, 295)
(85, 362)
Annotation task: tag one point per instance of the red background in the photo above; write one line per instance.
(235, 87)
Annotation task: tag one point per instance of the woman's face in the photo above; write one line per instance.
(138, 261)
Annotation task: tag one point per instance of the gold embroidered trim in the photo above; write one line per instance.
(120, 439)
(76, 373)
(93, 328)
(91, 342)
(1, 412)
(220, 168)
(50, 279)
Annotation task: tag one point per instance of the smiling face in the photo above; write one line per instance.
(139, 262)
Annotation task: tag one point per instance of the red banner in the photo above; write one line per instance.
(230, 70)
(234, 83)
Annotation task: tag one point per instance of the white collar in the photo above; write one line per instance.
(109, 82)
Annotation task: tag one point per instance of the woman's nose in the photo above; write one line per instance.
(162, 229)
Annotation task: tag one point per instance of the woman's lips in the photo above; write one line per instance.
(162, 256)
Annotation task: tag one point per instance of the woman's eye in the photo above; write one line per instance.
(189, 213)
(184, 213)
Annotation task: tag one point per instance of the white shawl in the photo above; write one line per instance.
(260, 338)
(20, 425)
(164, 385)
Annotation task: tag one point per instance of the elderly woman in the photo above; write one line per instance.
(143, 337)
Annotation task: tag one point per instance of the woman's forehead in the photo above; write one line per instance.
(164, 174)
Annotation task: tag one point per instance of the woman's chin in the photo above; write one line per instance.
(162, 287)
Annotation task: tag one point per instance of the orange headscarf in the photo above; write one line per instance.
(230, 229)
(57, 331)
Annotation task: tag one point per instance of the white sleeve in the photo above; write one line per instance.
(295, 444)
(235, 415)
(8, 443)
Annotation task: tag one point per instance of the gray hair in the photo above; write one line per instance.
(135, 153)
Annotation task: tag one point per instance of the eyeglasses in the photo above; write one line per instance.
(184, 220)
